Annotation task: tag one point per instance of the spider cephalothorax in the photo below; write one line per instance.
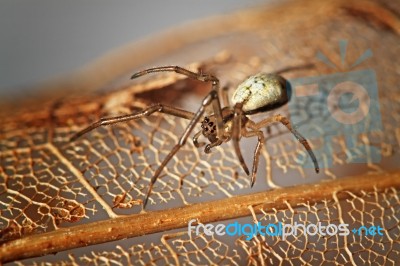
(258, 93)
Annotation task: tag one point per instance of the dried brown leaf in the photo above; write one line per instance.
(56, 195)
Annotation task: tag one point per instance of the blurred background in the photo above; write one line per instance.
(45, 39)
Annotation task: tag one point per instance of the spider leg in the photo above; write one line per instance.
(146, 112)
(236, 129)
(208, 147)
(225, 96)
(196, 143)
(198, 76)
(257, 151)
(177, 69)
(283, 120)
(206, 102)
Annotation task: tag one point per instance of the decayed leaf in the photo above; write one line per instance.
(56, 195)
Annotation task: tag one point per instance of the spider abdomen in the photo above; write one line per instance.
(261, 92)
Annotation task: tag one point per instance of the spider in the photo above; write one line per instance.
(259, 93)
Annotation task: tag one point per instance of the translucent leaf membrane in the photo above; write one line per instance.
(369, 209)
(48, 183)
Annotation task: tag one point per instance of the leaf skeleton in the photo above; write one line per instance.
(259, 93)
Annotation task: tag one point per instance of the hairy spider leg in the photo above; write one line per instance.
(209, 99)
(299, 137)
(257, 151)
(198, 76)
(236, 130)
(146, 112)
